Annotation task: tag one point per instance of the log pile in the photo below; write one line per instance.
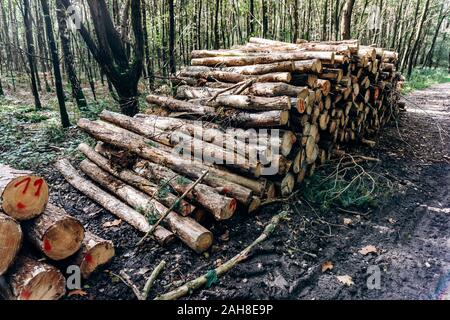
(27, 214)
(313, 98)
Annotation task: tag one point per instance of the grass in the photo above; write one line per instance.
(424, 78)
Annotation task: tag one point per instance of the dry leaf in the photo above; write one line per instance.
(347, 280)
(348, 221)
(327, 265)
(79, 292)
(225, 236)
(110, 224)
(368, 249)
(391, 221)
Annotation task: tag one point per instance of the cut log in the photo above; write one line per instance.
(167, 198)
(264, 59)
(308, 66)
(110, 203)
(175, 105)
(23, 195)
(94, 253)
(268, 119)
(30, 279)
(55, 233)
(276, 89)
(188, 145)
(10, 241)
(259, 69)
(243, 102)
(188, 230)
(220, 206)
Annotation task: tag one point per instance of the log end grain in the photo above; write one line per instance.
(25, 197)
(10, 241)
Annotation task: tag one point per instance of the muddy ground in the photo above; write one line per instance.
(409, 228)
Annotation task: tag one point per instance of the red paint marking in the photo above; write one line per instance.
(233, 205)
(38, 183)
(226, 190)
(27, 180)
(88, 258)
(26, 294)
(47, 245)
(21, 206)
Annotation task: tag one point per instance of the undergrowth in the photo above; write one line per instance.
(424, 78)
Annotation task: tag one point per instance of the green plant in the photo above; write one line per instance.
(424, 78)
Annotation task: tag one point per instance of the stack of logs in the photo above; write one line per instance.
(320, 96)
(26, 213)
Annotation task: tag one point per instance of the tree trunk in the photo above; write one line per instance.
(417, 37)
(110, 203)
(55, 60)
(30, 279)
(347, 19)
(10, 241)
(77, 91)
(31, 52)
(55, 234)
(172, 63)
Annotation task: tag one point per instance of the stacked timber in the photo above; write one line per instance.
(27, 214)
(246, 125)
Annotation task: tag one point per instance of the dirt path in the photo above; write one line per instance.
(410, 228)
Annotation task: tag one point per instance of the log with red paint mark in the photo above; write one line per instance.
(30, 279)
(55, 233)
(23, 195)
(94, 252)
(10, 241)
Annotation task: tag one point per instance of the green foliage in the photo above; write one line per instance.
(424, 78)
(183, 181)
(348, 187)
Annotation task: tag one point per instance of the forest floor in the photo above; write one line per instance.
(395, 237)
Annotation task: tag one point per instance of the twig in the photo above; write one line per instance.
(149, 284)
(125, 278)
(227, 266)
(174, 205)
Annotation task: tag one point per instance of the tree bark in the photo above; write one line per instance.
(347, 19)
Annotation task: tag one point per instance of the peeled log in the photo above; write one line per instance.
(264, 59)
(190, 168)
(30, 279)
(94, 253)
(55, 233)
(184, 208)
(243, 102)
(266, 119)
(10, 241)
(188, 230)
(110, 203)
(175, 105)
(276, 89)
(24, 195)
(220, 206)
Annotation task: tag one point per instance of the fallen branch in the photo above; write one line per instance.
(149, 284)
(212, 275)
